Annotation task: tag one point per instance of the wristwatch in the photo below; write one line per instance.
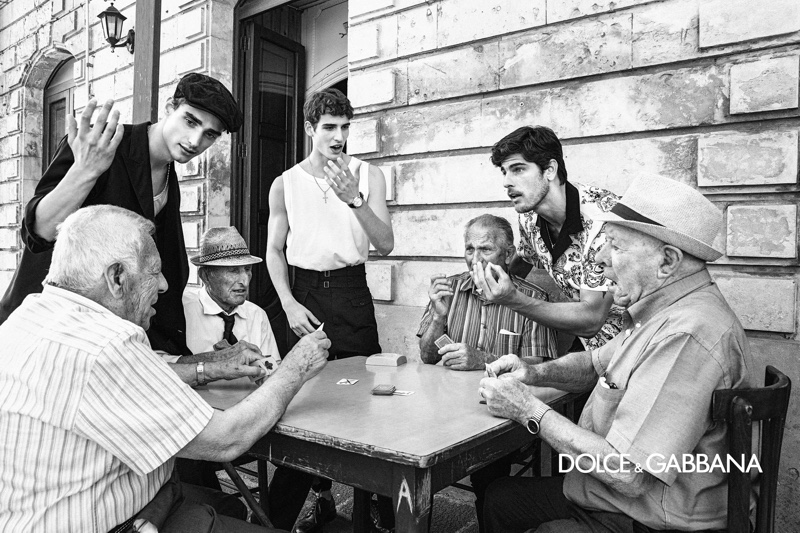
(357, 202)
(201, 373)
(533, 422)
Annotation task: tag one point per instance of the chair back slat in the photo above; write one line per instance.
(739, 408)
(739, 483)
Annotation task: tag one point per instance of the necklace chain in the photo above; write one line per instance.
(324, 191)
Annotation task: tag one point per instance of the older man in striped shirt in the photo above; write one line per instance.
(91, 418)
(458, 309)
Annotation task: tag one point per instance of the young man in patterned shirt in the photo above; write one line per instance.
(557, 234)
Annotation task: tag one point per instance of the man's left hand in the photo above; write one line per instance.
(460, 356)
(508, 398)
(343, 183)
(493, 282)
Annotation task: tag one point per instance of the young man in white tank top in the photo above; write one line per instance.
(326, 211)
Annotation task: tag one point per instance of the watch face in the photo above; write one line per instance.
(357, 201)
(533, 426)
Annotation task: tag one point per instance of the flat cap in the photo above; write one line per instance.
(208, 94)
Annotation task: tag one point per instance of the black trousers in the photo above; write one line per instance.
(520, 504)
(341, 299)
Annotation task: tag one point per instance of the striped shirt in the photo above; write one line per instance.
(477, 323)
(90, 417)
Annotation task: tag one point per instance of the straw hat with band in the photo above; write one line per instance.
(224, 247)
(670, 211)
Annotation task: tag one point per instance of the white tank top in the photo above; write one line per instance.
(323, 235)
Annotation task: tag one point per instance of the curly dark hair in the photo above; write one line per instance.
(536, 144)
(327, 101)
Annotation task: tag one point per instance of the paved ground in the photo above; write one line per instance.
(453, 509)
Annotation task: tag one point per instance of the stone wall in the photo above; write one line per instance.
(196, 36)
(702, 91)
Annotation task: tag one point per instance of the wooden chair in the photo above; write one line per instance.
(232, 469)
(739, 408)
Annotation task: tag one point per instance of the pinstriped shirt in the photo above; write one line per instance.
(90, 417)
(477, 323)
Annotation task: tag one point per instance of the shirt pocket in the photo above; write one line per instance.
(603, 408)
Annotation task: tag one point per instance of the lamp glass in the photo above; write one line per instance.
(111, 21)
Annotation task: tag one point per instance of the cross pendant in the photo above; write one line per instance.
(325, 197)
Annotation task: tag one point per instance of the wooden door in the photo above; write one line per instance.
(274, 88)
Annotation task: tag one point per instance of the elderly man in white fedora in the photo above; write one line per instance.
(219, 312)
(631, 461)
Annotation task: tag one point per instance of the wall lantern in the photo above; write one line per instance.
(111, 20)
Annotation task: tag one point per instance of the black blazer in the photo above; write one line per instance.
(127, 183)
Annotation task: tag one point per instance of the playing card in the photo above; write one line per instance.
(346, 381)
(490, 372)
(403, 392)
(443, 341)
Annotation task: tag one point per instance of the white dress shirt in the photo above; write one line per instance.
(204, 328)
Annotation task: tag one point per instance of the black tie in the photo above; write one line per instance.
(228, 333)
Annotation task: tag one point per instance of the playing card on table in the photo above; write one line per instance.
(403, 392)
(346, 381)
(443, 341)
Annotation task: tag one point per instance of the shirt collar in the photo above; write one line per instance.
(210, 307)
(75, 298)
(645, 309)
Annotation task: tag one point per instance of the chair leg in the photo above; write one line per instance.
(263, 484)
(246, 494)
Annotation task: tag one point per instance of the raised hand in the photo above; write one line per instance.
(440, 293)
(94, 146)
(342, 182)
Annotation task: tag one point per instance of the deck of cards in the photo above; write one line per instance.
(443, 341)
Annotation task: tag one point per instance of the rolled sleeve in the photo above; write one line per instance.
(425, 323)
(137, 408)
(667, 409)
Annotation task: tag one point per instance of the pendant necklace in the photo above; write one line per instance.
(324, 191)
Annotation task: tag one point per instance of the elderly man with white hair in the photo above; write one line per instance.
(651, 385)
(91, 418)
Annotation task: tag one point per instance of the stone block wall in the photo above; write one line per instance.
(36, 36)
(702, 91)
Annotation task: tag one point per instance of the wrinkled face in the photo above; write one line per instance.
(143, 287)
(228, 286)
(525, 183)
(631, 259)
(486, 245)
(189, 131)
(329, 136)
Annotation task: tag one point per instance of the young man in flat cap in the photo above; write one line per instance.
(651, 385)
(130, 166)
(325, 211)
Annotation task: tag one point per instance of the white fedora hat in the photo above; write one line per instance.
(224, 247)
(670, 211)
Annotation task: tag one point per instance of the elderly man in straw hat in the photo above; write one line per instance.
(218, 315)
(649, 411)
(220, 312)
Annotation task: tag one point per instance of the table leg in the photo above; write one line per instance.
(412, 499)
(361, 508)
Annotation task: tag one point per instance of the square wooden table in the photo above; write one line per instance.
(405, 447)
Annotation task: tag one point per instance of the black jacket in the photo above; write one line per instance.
(127, 183)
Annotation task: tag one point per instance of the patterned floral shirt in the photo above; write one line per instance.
(571, 261)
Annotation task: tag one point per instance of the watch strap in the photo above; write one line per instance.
(536, 418)
(201, 373)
